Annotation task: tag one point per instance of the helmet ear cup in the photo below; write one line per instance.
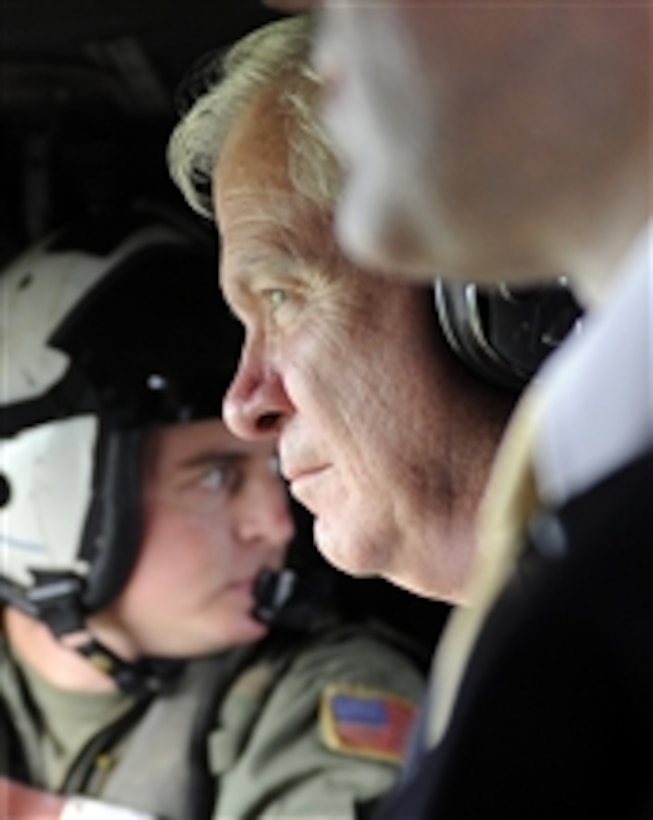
(504, 334)
(113, 526)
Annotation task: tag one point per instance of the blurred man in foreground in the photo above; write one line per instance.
(508, 143)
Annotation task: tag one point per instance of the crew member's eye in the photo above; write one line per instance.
(214, 479)
(223, 478)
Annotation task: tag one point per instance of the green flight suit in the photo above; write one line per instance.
(304, 727)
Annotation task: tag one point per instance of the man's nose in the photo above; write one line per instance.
(256, 403)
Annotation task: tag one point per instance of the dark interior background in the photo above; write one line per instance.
(87, 101)
(87, 90)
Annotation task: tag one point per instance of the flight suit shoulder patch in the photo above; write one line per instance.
(365, 722)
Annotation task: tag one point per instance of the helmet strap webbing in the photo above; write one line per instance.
(133, 677)
(55, 600)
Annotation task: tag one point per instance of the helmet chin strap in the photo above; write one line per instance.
(144, 676)
(54, 599)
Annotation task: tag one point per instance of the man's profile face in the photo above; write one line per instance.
(215, 515)
(341, 366)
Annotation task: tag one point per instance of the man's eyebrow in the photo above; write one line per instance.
(274, 255)
(255, 265)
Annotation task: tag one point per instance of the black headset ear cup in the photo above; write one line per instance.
(504, 334)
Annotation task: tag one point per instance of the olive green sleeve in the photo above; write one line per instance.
(293, 764)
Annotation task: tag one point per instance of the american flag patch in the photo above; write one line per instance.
(365, 722)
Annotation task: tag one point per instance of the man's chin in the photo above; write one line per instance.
(339, 552)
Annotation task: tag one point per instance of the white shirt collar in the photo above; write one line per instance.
(598, 390)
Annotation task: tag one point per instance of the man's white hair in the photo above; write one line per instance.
(273, 56)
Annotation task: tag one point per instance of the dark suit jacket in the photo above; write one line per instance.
(554, 717)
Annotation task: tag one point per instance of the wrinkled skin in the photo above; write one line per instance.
(382, 436)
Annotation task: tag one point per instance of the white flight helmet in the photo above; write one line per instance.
(107, 328)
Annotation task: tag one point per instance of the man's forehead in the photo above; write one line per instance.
(255, 150)
(255, 206)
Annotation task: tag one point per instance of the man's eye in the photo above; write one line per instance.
(276, 297)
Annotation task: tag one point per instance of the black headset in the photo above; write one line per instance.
(505, 333)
